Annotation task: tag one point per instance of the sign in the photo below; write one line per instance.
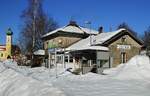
(123, 47)
(102, 55)
(52, 45)
(51, 50)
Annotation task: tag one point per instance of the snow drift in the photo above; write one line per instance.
(136, 68)
(129, 79)
(13, 83)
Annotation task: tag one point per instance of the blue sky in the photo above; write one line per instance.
(106, 13)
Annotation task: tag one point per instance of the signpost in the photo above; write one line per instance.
(52, 50)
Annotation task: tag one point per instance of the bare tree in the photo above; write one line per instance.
(146, 38)
(35, 24)
(126, 26)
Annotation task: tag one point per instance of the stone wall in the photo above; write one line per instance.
(61, 41)
(115, 52)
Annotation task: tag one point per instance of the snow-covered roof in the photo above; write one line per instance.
(72, 29)
(89, 31)
(102, 48)
(102, 37)
(39, 52)
(84, 44)
(2, 47)
(98, 39)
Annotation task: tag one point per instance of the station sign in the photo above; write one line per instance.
(124, 47)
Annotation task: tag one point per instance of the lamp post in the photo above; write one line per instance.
(55, 61)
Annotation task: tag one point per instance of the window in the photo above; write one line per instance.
(100, 63)
(1, 54)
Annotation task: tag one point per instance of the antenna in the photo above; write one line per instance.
(88, 23)
(72, 18)
(110, 28)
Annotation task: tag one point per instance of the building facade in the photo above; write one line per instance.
(67, 35)
(63, 37)
(89, 47)
(108, 49)
(123, 49)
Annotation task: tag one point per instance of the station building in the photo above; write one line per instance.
(89, 47)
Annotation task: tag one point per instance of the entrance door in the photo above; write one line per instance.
(123, 57)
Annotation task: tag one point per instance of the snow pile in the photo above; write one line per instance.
(101, 85)
(40, 73)
(12, 83)
(130, 79)
(136, 68)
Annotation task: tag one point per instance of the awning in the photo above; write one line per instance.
(102, 48)
(39, 52)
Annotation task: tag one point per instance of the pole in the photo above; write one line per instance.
(90, 34)
(64, 64)
(89, 25)
(56, 64)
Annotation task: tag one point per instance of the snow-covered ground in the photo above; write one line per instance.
(14, 81)
(130, 79)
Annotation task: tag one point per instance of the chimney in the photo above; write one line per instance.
(72, 23)
(100, 29)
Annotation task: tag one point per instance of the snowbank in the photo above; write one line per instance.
(13, 83)
(136, 68)
(130, 79)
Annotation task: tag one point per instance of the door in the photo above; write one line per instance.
(123, 57)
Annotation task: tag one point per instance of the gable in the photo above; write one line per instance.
(126, 34)
(128, 41)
